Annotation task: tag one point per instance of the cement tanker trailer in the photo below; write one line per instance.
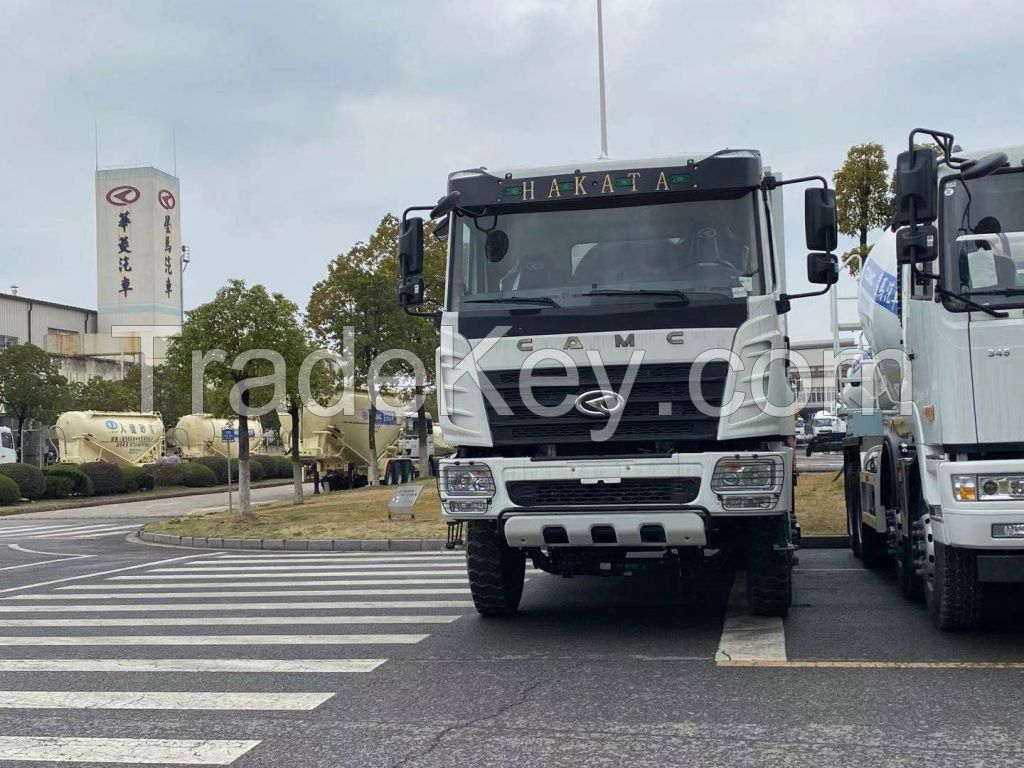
(127, 439)
(200, 434)
(338, 446)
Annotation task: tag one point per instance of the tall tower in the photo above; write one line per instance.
(138, 248)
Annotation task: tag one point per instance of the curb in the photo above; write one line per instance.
(824, 542)
(295, 545)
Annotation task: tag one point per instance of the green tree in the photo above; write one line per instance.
(244, 324)
(863, 200)
(360, 292)
(31, 387)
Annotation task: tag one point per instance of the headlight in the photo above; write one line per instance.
(469, 480)
(743, 475)
(1002, 487)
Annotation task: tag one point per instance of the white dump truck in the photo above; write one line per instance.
(8, 455)
(200, 434)
(339, 446)
(934, 456)
(613, 367)
(128, 439)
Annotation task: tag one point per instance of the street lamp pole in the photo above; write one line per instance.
(600, 81)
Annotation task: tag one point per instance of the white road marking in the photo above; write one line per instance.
(137, 640)
(192, 595)
(76, 532)
(241, 569)
(297, 575)
(749, 638)
(284, 557)
(261, 607)
(261, 666)
(191, 700)
(264, 584)
(131, 751)
(19, 548)
(217, 621)
(96, 575)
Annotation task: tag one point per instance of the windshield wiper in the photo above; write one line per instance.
(999, 292)
(970, 304)
(515, 300)
(638, 292)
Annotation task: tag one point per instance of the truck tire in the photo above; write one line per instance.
(496, 571)
(954, 598)
(851, 485)
(769, 573)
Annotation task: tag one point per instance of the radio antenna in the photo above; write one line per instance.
(600, 84)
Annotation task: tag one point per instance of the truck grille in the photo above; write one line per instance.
(629, 491)
(659, 405)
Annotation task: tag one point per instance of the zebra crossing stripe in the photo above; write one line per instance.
(192, 595)
(217, 621)
(300, 574)
(137, 640)
(262, 606)
(241, 569)
(261, 666)
(265, 584)
(185, 700)
(59, 749)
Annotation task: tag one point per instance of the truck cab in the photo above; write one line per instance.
(8, 455)
(938, 485)
(613, 367)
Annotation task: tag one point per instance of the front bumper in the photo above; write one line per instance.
(598, 471)
(968, 524)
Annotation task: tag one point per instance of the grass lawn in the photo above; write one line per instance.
(821, 504)
(363, 514)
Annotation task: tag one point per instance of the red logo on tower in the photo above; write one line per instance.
(166, 199)
(123, 195)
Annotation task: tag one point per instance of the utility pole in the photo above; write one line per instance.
(600, 81)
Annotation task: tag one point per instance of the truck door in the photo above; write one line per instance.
(997, 367)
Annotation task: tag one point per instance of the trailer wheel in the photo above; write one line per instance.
(769, 573)
(953, 594)
(407, 472)
(496, 571)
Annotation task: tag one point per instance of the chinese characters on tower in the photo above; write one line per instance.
(167, 201)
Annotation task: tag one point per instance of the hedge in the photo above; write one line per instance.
(29, 479)
(197, 476)
(270, 466)
(82, 483)
(105, 476)
(9, 491)
(284, 466)
(59, 486)
(166, 474)
(256, 470)
(219, 467)
(135, 479)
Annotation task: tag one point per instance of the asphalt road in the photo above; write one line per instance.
(129, 654)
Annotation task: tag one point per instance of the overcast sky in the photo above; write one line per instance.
(300, 124)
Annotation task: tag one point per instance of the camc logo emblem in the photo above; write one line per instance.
(123, 195)
(600, 402)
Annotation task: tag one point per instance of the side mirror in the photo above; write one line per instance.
(917, 247)
(410, 247)
(917, 185)
(822, 269)
(445, 205)
(984, 166)
(820, 226)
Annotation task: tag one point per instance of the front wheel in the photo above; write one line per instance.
(769, 573)
(496, 571)
(952, 591)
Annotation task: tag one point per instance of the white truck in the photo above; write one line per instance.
(8, 455)
(934, 457)
(612, 333)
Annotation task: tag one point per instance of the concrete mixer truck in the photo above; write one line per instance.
(934, 457)
(128, 439)
(612, 336)
(338, 446)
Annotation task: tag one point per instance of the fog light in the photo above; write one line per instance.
(748, 502)
(990, 488)
(466, 507)
(1008, 530)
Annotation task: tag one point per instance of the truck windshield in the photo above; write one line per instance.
(703, 250)
(983, 238)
